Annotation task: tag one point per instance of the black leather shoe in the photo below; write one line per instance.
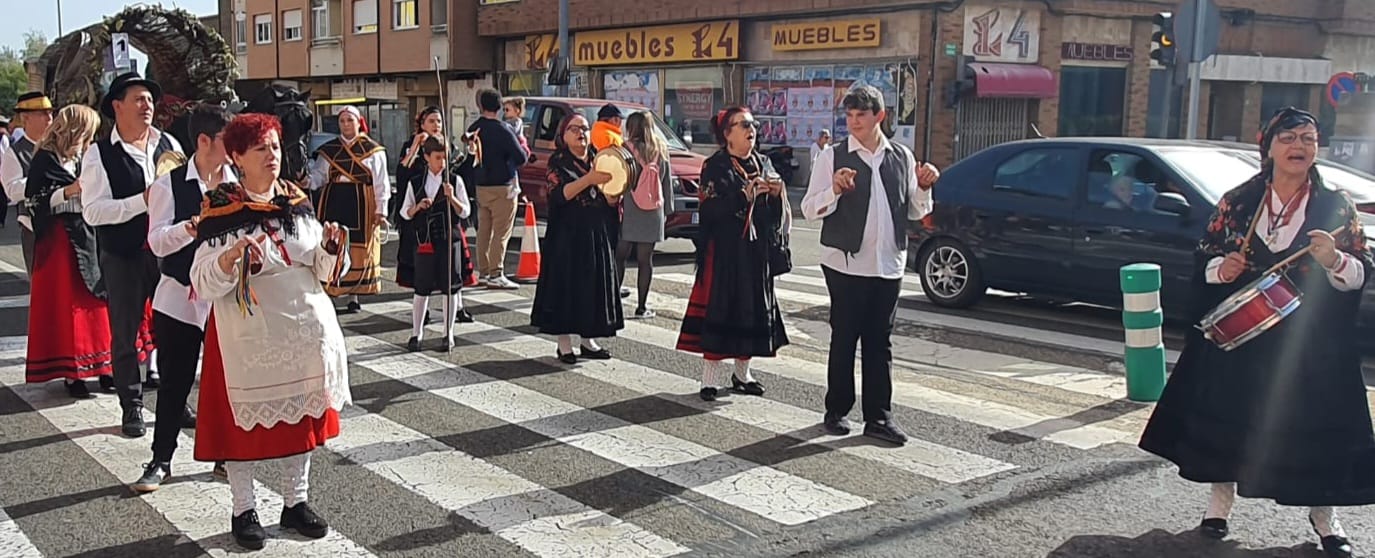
(107, 384)
(79, 390)
(220, 472)
(154, 474)
(566, 358)
(707, 394)
(1214, 528)
(599, 354)
(413, 345)
(464, 317)
(747, 388)
(885, 430)
(836, 424)
(248, 532)
(154, 380)
(132, 424)
(1333, 546)
(188, 418)
(304, 521)
(354, 308)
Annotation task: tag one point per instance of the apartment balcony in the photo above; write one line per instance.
(326, 56)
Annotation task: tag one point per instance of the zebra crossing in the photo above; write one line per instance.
(497, 449)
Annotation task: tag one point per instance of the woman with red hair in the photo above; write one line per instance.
(274, 375)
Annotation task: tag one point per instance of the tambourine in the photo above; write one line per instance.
(618, 162)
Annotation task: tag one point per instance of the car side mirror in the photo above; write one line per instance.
(1172, 204)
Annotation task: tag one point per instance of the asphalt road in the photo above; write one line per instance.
(1022, 447)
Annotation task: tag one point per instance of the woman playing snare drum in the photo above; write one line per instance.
(578, 292)
(1284, 416)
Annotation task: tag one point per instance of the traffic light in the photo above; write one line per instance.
(1163, 40)
(961, 85)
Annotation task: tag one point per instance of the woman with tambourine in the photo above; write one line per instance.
(732, 312)
(1284, 416)
(578, 292)
(434, 207)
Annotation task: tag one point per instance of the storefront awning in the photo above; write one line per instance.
(1014, 80)
(349, 101)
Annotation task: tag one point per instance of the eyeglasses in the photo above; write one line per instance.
(749, 124)
(579, 128)
(1288, 138)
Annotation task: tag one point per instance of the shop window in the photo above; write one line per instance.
(1092, 101)
(692, 96)
(640, 87)
(794, 103)
(1275, 96)
(531, 84)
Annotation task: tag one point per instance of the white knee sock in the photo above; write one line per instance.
(297, 474)
(1325, 522)
(419, 305)
(241, 485)
(153, 361)
(353, 299)
(565, 344)
(742, 370)
(713, 373)
(591, 344)
(1220, 503)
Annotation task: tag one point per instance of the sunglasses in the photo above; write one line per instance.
(749, 124)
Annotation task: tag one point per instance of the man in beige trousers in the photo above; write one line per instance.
(497, 192)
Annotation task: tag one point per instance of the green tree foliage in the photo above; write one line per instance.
(14, 80)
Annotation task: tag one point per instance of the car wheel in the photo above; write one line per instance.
(949, 275)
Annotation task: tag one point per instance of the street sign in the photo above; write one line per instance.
(119, 49)
(951, 49)
(1205, 38)
(1340, 88)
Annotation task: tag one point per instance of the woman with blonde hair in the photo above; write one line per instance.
(69, 324)
(650, 204)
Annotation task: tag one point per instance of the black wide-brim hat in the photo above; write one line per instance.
(123, 82)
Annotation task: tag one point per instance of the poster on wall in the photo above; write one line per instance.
(639, 87)
(907, 98)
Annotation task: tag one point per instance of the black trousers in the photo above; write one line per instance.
(179, 346)
(26, 240)
(863, 310)
(130, 280)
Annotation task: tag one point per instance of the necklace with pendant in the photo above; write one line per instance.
(1286, 212)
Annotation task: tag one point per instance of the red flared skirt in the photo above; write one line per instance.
(218, 438)
(69, 328)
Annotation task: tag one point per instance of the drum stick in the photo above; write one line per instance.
(450, 314)
(1300, 253)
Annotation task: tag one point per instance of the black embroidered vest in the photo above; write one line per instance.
(126, 180)
(845, 228)
(186, 203)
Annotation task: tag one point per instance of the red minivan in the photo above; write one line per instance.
(542, 117)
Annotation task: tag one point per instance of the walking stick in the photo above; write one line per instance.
(450, 314)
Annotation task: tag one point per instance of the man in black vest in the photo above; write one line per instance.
(35, 114)
(865, 190)
(115, 176)
(174, 206)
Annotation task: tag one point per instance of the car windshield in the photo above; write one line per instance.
(674, 142)
(1218, 170)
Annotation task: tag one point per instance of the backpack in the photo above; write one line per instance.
(648, 191)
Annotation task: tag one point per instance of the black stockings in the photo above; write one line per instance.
(644, 254)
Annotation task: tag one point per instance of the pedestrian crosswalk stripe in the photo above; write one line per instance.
(1063, 431)
(13, 542)
(195, 505)
(820, 282)
(919, 457)
(765, 491)
(541, 521)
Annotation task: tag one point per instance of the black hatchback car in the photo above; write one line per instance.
(1057, 218)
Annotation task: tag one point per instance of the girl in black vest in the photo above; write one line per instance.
(732, 312)
(69, 324)
(430, 267)
(578, 292)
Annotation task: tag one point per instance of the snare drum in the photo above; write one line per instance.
(618, 162)
(1251, 311)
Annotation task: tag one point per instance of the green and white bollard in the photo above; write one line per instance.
(1142, 318)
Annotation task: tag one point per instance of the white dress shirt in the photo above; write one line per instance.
(98, 204)
(376, 163)
(433, 183)
(166, 236)
(879, 255)
(58, 202)
(1347, 275)
(14, 181)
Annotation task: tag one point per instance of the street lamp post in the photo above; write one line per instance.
(59, 18)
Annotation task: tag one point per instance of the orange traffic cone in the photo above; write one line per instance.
(528, 271)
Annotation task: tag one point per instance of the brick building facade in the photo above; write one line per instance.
(1035, 64)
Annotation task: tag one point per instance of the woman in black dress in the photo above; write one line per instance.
(1284, 416)
(578, 292)
(434, 208)
(732, 312)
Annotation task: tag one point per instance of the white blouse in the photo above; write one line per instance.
(287, 359)
(1347, 275)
